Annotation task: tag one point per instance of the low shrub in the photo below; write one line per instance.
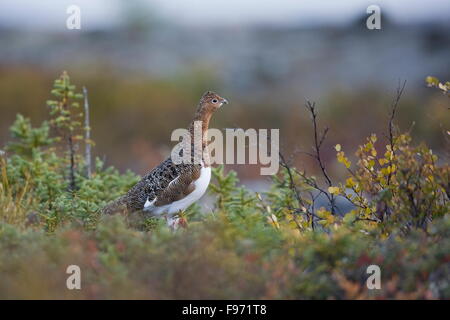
(294, 241)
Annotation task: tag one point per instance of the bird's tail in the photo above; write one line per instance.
(116, 206)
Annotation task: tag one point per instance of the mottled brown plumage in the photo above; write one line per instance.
(169, 182)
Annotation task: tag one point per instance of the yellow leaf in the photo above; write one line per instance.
(374, 152)
(338, 147)
(347, 163)
(333, 190)
(432, 80)
(349, 183)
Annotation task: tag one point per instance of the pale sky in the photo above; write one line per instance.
(101, 13)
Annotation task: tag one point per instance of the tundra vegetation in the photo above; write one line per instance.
(294, 241)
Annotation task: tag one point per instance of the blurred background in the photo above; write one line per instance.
(146, 63)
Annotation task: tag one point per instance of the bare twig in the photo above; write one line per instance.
(292, 184)
(72, 185)
(88, 157)
(294, 188)
(394, 105)
(318, 141)
(70, 143)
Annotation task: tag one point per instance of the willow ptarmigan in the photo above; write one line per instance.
(171, 188)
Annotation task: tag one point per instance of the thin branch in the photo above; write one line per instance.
(311, 106)
(394, 105)
(70, 142)
(72, 185)
(294, 188)
(88, 157)
(292, 184)
(318, 141)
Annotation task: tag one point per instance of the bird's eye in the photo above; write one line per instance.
(214, 101)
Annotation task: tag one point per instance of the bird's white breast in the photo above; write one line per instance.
(201, 184)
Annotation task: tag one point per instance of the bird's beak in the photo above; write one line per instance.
(224, 101)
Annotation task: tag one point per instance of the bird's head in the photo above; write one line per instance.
(210, 102)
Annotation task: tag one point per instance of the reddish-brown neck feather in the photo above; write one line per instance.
(203, 115)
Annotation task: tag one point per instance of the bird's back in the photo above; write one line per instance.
(155, 184)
